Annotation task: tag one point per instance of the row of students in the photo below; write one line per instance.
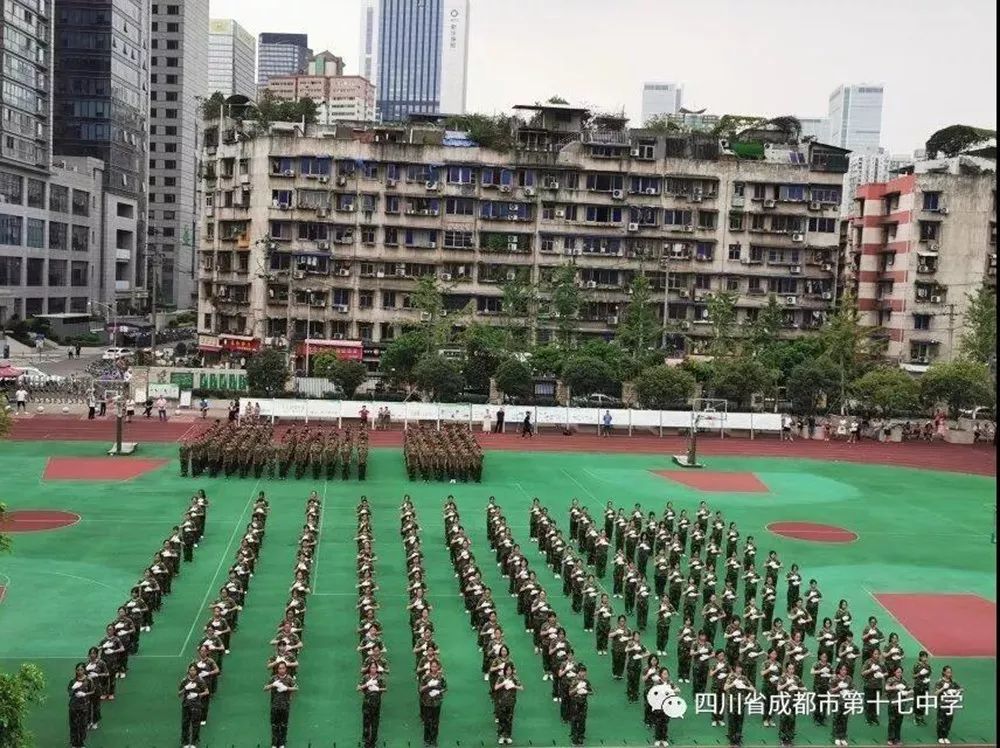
(283, 665)
(636, 538)
(571, 687)
(201, 680)
(96, 679)
(374, 666)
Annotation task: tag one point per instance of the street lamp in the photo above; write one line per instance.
(114, 319)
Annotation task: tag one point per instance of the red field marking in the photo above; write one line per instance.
(37, 520)
(812, 532)
(931, 619)
(99, 468)
(976, 459)
(708, 480)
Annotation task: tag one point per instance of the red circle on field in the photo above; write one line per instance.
(37, 520)
(813, 532)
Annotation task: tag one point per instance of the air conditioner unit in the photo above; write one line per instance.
(322, 212)
(504, 188)
(323, 245)
(935, 299)
(511, 276)
(696, 198)
(724, 143)
(798, 237)
(933, 246)
(324, 179)
(431, 186)
(688, 229)
(790, 300)
(633, 227)
(337, 336)
(390, 183)
(298, 275)
(943, 211)
(590, 284)
(380, 274)
(649, 191)
(529, 191)
(685, 325)
(815, 205)
(923, 268)
(827, 296)
(770, 203)
(796, 269)
(344, 272)
(342, 308)
(613, 320)
(634, 152)
(445, 277)
(618, 194)
(341, 181)
(577, 252)
(425, 316)
(560, 213)
(704, 314)
(512, 247)
(683, 293)
(744, 260)
(827, 268)
(288, 173)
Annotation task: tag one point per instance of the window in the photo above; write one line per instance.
(36, 193)
(825, 195)
(792, 192)
(460, 175)
(11, 187)
(10, 230)
(81, 239)
(81, 203)
(57, 305)
(759, 191)
(36, 272)
(921, 322)
(59, 198)
(58, 233)
(732, 284)
(735, 251)
(707, 219)
(35, 236)
(603, 214)
(366, 299)
(823, 225)
(10, 271)
(459, 206)
(677, 217)
(57, 273)
(736, 221)
(929, 231)
(932, 200)
(738, 189)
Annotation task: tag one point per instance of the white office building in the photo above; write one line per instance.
(817, 128)
(232, 58)
(660, 99)
(856, 117)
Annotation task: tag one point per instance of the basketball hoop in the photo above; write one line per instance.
(706, 414)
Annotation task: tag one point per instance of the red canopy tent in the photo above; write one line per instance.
(9, 372)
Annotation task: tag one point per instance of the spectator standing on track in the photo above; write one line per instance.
(203, 407)
(498, 426)
(606, 421)
(811, 426)
(129, 409)
(161, 407)
(526, 425)
(147, 408)
(103, 405)
(21, 399)
(786, 428)
(91, 406)
(363, 415)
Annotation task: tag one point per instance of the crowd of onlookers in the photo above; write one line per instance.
(854, 429)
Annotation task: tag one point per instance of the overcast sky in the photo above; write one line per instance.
(769, 57)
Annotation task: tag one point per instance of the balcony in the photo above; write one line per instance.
(123, 255)
(123, 285)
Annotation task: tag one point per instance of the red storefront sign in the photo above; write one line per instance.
(239, 343)
(345, 350)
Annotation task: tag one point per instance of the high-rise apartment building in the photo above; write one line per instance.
(25, 128)
(232, 57)
(416, 54)
(864, 168)
(817, 128)
(855, 116)
(100, 109)
(178, 79)
(920, 244)
(337, 96)
(325, 235)
(281, 54)
(660, 100)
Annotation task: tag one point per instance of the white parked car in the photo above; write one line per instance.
(113, 354)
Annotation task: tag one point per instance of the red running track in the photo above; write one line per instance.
(979, 459)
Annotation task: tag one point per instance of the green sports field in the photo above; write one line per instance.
(919, 532)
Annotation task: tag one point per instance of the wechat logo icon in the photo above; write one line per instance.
(664, 698)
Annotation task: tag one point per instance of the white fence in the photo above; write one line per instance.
(481, 416)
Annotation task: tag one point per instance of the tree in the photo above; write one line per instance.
(513, 378)
(566, 301)
(785, 355)
(954, 139)
(18, 691)
(439, 378)
(738, 379)
(516, 302)
(496, 132)
(306, 110)
(609, 353)
(267, 373)
(547, 360)
(811, 384)
(557, 99)
(887, 392)
(979, 338)
(848, 344)
(400, 357)
(722, 314)
(585, 375)
(429, 299)
(5, 422)
(638, 329)
(764, 329)
(730, 125)
(661, 387)
(485, 347)
(959, 385)
(211, 108)
(348, 375)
